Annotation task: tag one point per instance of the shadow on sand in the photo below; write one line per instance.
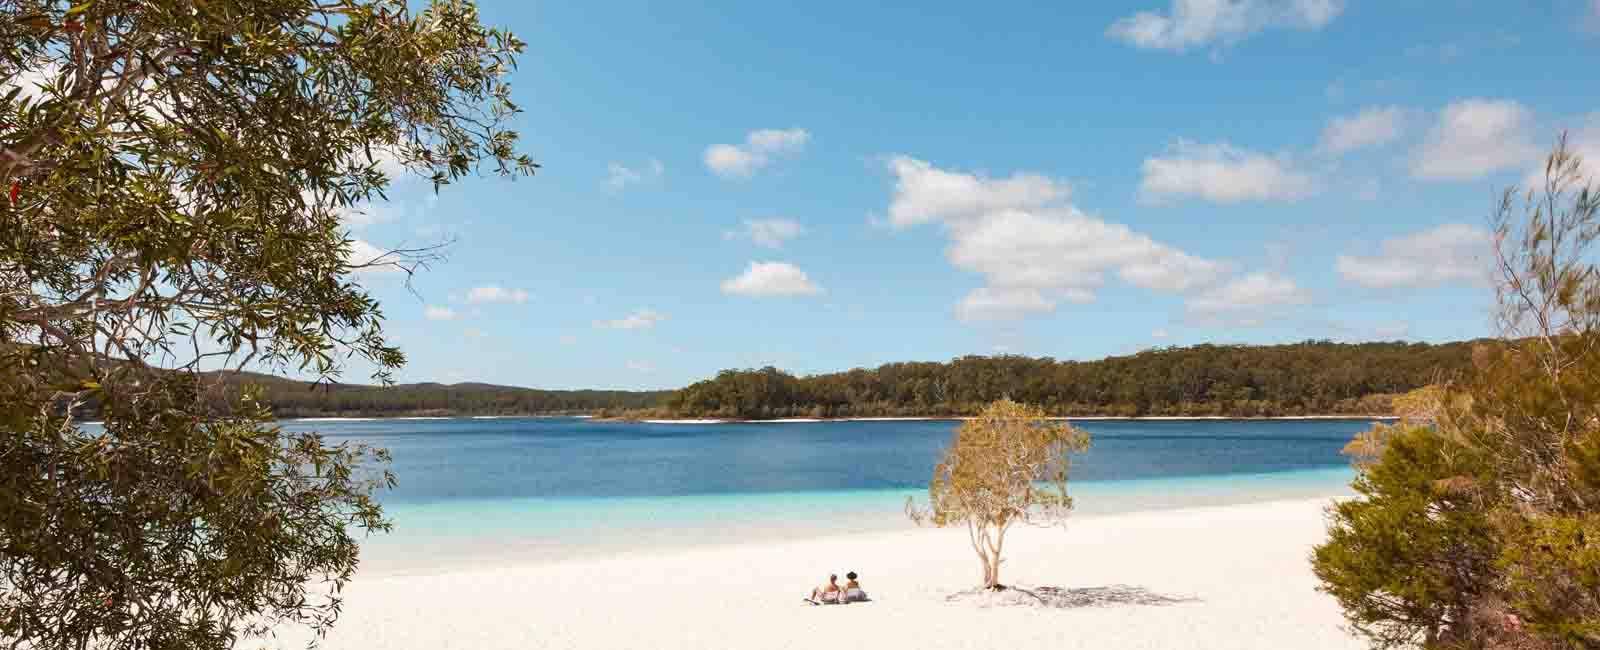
(1059, 598)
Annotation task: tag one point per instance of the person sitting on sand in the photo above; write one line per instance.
(852, 589)
(828, 593)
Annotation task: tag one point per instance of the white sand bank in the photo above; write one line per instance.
(1239, 575)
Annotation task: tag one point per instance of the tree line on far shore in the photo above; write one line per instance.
(294, 399)
(1308, 378)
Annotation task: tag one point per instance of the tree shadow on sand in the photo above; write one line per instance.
(1059, 598)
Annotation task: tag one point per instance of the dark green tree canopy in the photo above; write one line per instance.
(176, 175)
(1309, 378)
(1478, 524)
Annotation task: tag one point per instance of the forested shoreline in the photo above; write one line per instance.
(1301, 379)
(1309, 378)
(296, 399)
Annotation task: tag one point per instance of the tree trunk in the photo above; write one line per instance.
(991, 571)
(988, 570)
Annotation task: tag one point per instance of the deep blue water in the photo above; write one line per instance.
(550, 488)
(488, 459)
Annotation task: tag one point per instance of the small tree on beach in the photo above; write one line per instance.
(1006, 466)
(177, 180)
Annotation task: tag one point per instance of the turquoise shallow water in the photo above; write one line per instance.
(543, 529)
(540, 489)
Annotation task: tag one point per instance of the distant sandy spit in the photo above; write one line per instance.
(1233, 577)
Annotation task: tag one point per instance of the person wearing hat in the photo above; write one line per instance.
(852, 589)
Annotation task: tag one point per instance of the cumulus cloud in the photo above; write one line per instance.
(641, 319)
(988, 303)
(1221, 173)
(433, 312)
(1475, 137)
(924, 193)
(1200, 23)
(1033, 250)
(620, 176)
(1248, 300)
(771, 279)
(1451, 253)
(771, 233)
(1064, 249)
(496, 294)
(759, 149)
(1373, 126)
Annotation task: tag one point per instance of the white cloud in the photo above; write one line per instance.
(988, 304)
(641, 319)
(388, 161)
(620, 176)
(771, 233)
(644, 367)
(363, 253)
(496, 294)
(760, 149)
(366, 214)
(1475, 137)
(1451, 253)
(1064, 249)
(432, 312)
(1159, 333)
(1221, 173)
(1583, 141)
(1373, 126)
(924, 193)
(1198, 23)
(768, 279)
(569, 339)
(29, 79)
(1032, 248)
(1248, 300)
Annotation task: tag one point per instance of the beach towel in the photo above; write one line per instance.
(826, 598)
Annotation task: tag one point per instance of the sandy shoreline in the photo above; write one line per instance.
(1219, 577)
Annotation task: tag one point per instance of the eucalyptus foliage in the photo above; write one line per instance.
(1008, 465)
(177, 175)
(1478, 524)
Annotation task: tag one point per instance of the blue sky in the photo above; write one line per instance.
(829, 185)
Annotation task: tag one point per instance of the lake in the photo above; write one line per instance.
(554, 488)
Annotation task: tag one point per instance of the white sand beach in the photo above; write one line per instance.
(1231, 577)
